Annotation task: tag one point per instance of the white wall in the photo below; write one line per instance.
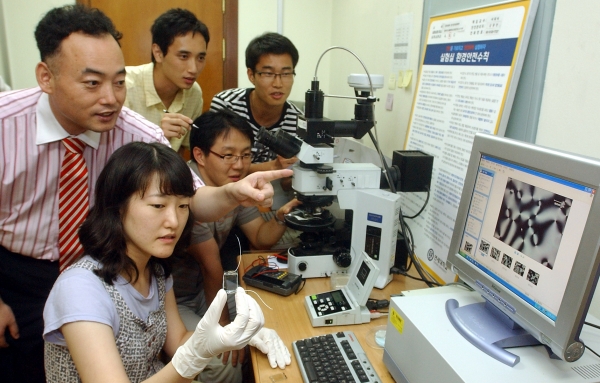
(368, 31)
(18, 24)
(4, 70)
(307, 23)
(364, 27)
(569, 112)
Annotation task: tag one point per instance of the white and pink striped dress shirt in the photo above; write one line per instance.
(31, 155)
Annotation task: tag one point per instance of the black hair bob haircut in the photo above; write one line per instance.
(130, 170)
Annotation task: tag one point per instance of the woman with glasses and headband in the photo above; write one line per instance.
(271, 61)
(221, 143)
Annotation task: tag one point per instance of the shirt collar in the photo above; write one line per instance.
(194, 166)
(152, 97)
(50, 130)
(149, 90)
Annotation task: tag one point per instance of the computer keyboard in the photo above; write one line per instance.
(335, 357)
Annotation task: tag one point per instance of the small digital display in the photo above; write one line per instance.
(373, 241)
(363, 273)
(338, 297)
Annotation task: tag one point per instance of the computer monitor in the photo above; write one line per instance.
(526, 237)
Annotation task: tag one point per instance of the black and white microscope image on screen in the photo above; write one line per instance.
(532, 220)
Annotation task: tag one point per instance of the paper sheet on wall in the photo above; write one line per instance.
(402, 34)
(462, 89)
(404, 78)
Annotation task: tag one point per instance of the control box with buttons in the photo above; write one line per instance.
(348, 304)
(330, 302)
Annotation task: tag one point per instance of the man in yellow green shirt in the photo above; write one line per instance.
(165, 91)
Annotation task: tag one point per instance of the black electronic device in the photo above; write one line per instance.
(330, 302)
(276, 281)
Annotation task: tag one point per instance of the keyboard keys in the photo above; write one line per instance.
(334, 358)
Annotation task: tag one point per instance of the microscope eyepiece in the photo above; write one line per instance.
(281, 142)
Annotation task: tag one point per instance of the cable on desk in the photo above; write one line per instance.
(594, 326)
(376, 304)
(409, 243)
(395, 270)
(377, 314)
(460, 284)
(593, 352)
(300, 285)
(262, 261)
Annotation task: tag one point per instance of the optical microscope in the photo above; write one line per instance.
(328, 245)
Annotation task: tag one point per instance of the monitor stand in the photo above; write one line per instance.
(489, 329)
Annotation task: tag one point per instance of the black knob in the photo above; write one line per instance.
(302, 266)
(342, 258)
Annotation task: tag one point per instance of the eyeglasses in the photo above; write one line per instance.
(285, 76)
(230, 159)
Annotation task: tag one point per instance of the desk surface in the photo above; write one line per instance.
(290, 320)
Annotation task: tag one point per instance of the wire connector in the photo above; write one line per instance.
(377, 314)
(376, 304)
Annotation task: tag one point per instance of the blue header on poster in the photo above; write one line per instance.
(480, 53)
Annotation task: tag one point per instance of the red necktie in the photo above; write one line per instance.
(73, 202)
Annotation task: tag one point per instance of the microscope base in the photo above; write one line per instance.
(313, 266)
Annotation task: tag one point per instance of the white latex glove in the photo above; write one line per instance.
(210, 339)
(268, 342)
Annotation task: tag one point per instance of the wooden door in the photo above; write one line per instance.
(134, 18)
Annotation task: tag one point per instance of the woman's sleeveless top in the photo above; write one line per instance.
(139, 343)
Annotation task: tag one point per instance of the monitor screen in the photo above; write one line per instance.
(523, 230)
(526, 236)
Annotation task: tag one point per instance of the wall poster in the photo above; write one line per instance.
(467, 81)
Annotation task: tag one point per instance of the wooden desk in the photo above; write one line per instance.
(290, 319)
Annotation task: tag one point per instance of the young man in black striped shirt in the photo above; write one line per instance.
(270, 60)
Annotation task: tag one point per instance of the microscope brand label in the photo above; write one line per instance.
(374, 217)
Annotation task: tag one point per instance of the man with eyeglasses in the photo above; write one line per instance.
(221, 143)
(270, 60)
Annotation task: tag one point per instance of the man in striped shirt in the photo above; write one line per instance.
(81, 92)
(270, 61)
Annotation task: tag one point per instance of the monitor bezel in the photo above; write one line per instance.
(584, 274)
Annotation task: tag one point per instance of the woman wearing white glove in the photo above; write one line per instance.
(211, 339)
(111, 314)
(271, 344)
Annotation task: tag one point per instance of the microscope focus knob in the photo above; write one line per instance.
(302, 266)
(324, 169)
(342, 258)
